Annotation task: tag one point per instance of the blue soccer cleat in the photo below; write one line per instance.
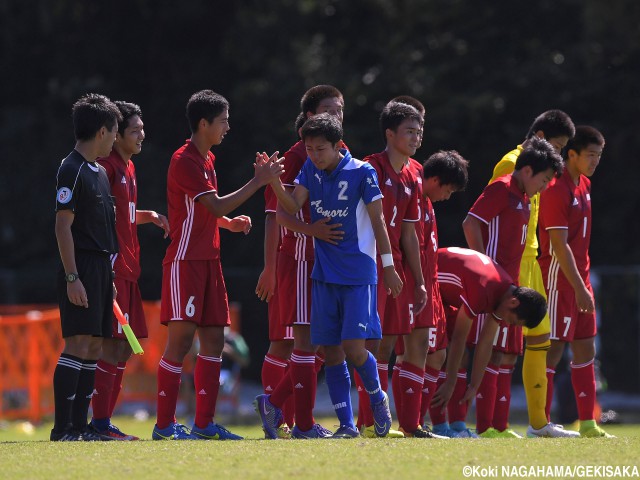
(346, 431)
(270, 415)
(382, 416)
(175, 431)
(213, 431)
(317, 431)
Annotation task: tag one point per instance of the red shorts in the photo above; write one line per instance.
(508, 339)
(294, 278)
(393, 312)
(277, 331)
(567, 322)
(438, 338)
(130, 302)
(194, 291)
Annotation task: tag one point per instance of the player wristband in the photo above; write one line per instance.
(387, 260)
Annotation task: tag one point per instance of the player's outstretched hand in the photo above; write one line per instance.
(266, 286)
(77, 294)
(443, 394)
(325, 232)
(419, 298)
(161, 221)
(469, 395)
(241, 223)
(268, 169)
(392, 281)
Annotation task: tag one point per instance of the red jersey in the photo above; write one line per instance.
(429, 249)
(297, 245)
(400, 202)
(504, 210)
(194, 230)
(565, 205)
(471, 280)
(417, 170)
(122, 180)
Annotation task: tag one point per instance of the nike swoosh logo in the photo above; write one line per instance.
(264, 409)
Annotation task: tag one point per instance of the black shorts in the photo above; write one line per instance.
(95, 273)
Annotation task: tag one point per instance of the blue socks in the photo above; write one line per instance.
(368, 372)
(339, 383)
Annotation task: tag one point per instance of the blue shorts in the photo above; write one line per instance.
(343, 312)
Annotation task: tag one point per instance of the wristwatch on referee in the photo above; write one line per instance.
(71, 277)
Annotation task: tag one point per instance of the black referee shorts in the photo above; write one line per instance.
(94, 270)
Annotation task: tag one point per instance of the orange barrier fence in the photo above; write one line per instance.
(30, 345)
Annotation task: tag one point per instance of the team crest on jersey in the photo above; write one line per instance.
(575, 202)
(407, 190)
(124, 180)
(64, 195)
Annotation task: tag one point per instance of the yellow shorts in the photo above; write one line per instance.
(531, 276)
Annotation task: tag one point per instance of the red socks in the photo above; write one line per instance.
(103, 389)
(305, 381)
(486, 398)
(458, 412)
(206, 378)
(169, 374)
(503, 398)
(429, 387)
(117, 387)
(273, 370)
(583, 379)
(395, 387)
(411, 381)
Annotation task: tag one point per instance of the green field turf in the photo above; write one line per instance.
(29, 455)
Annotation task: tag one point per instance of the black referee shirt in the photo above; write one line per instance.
(83, 187)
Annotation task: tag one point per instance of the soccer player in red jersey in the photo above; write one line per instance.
(472, 284)
(194, 297)
(442, 174)
(126, 266)
(565, 234)
(497, 225)
(401, 126)
(294, 259)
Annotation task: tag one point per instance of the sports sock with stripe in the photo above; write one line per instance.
(65, 383)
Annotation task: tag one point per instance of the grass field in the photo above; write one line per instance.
(27, 454)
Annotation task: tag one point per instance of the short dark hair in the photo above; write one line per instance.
(540, 155)
(205, 104)
(585, 136)
(554, 123)
(90, 113)
(322, 125)
(532, 307)
(449, 166)
(311, 100)
(394, 113)
(414, 102)
(127, 110)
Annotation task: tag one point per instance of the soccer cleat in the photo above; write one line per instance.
(369, 432)
(270, 415)
(113, 432)
(595, 432)
(465, 433)
(91, 435)
(317, 431)
(551, 430)
(346, 431)
(508, 433)
(422, 433)
(443, 429)
(213, 431)
(65, 436)
(382, 416)
(175, 431)
(490, 433)
(283, 432)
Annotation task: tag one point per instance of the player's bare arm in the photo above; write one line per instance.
(411, 247)
(472, 228)
(266, 170)
(454, 358)
(320, 229)
(266, 286)
(558, 238)
(392, 281)
(75, 290)
(481, 356)
(291, 202)
(241, 223)
(149, 216)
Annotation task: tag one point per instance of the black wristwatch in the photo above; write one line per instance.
(71, 277)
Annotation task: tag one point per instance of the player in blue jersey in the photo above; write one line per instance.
(343, 306)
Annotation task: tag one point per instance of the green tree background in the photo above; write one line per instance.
(484, 70)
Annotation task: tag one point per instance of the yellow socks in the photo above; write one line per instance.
(534, 378)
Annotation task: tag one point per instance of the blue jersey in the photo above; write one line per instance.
(343, 195)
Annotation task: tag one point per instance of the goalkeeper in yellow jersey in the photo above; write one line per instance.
(557, 128)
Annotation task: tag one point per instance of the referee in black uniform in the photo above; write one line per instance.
(86, 235)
